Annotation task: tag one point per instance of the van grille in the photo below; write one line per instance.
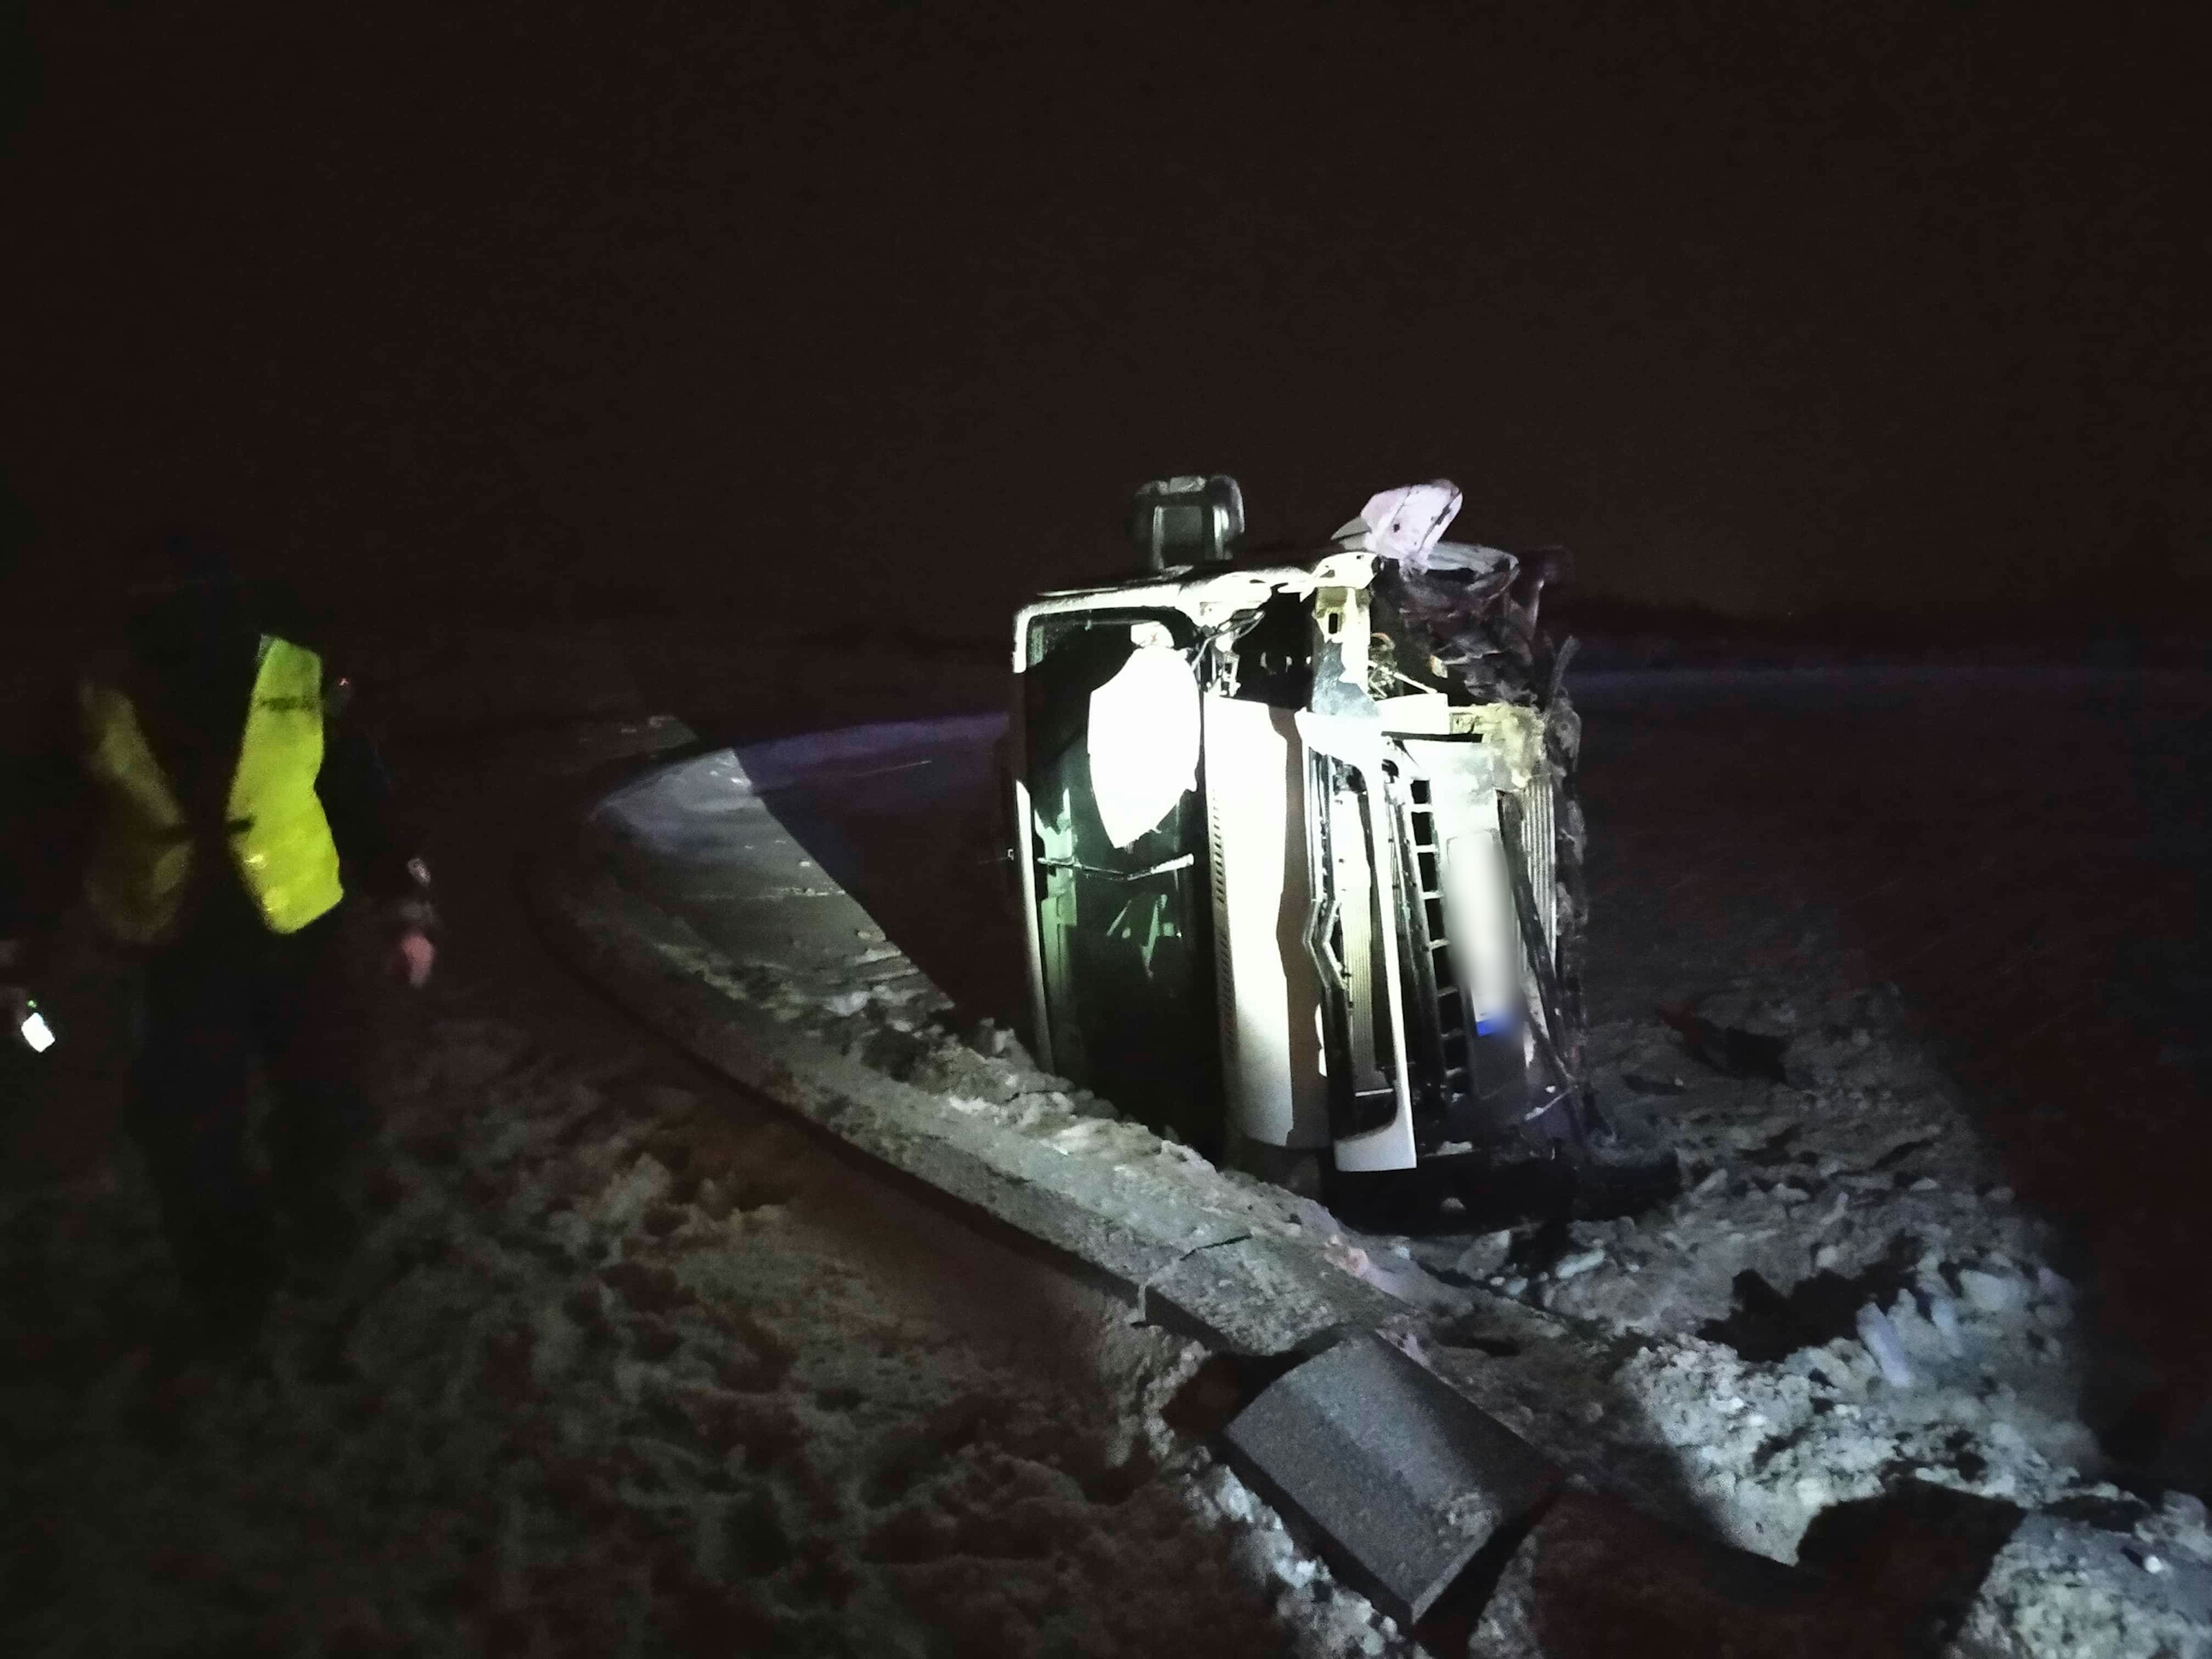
(1430, 931)
(1455, 1075)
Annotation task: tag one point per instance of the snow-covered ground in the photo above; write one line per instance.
(1803, 1208)
(630, 1364)
(1841, 1303)
(1846, 1295)
(626, 1368)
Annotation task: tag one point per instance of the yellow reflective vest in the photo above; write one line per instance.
(142, 865)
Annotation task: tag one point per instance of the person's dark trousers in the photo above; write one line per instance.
(225, 995)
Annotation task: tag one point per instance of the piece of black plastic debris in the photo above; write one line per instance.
(1637, 1083)
(1767, 1326)
(1729, 1049)
(1404, 1479)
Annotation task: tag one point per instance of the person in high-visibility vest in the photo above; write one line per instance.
(218, 814)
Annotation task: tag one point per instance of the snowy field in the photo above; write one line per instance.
(631, 1365)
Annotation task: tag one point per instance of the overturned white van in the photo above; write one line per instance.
(1297, 840)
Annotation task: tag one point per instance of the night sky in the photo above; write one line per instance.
(826, 307)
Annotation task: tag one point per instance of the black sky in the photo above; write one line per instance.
(1757, 306)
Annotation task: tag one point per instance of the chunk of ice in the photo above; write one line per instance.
(1487, 1254)
(1993, 1293)
(1943, 1314)
(1887, 1348)
(1581, 1262)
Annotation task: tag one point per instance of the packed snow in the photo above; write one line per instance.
(631, 1365)
(1843, 1296)
(627, 1366)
